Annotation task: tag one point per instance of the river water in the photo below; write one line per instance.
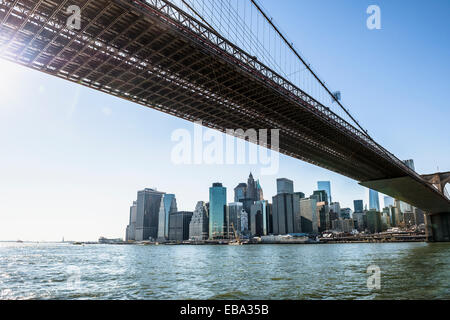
(324, 271)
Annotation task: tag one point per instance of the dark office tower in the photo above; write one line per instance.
(308, 211)
(240, 192)
(297, 214)
(168, 206)
(217, 211)
(259, 225)
(358, 205)
(374, 221)
(393, 216)
(419, 216)
(131, 228)
(323, 216)
(325, 185)
(199, 226)
(374, 200)
(147, 214)
(179, 226)
(320, 196)
(285, 186)
(283, 214)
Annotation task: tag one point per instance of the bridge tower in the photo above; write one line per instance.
(438, 225)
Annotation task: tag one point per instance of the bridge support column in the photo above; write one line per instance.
(438, 227)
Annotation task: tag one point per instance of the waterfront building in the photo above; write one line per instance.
(283, 213)
(419, 216)
(308, 212)
(323, 213)
(248, 193)
(346, 213)
(131, 228)
(179, 225)
(343, 225)
(374, 221)
(335, 211)
(374, 200)
(168, 206)
(358, 221)
(326, 186)
(358, 205)
(147, 214)
(234, 218)
(285, 186)
(409, 218)
(259, 221)
(217, 211)
(199, 226)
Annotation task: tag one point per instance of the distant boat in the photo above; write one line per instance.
(77, 243)
(19, 241)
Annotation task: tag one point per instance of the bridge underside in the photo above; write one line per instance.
(162, 58)
(411, 191)
(153, 54)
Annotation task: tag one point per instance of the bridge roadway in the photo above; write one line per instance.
(154, 54)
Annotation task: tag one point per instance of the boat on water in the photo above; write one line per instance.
(235, 243)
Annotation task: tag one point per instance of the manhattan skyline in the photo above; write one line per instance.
(78, 156)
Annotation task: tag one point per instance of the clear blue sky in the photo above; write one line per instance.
(72, 158)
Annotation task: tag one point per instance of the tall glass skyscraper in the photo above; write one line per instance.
(168, 206)
(358, 205)
(285, 186)
(374, 200)
(217, 210)
(388, 202)
(326, 186)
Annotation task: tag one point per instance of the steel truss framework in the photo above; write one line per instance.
(153, 53)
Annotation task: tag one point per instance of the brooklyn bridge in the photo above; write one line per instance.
(216, 65)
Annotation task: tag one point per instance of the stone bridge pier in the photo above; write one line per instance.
(438, 225)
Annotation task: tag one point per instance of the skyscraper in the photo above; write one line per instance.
(260, 213)
(285, 186)
(325, 185)
(374, 201)
(240, 192)
(388, 202)
(358, 205)
(234, 218)
(147, 214)
(199, 226)
(168, 206)
(321, 196)
(283, 213)
(179, 225)
(131, 228)
(217, 211)
(308, 211)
